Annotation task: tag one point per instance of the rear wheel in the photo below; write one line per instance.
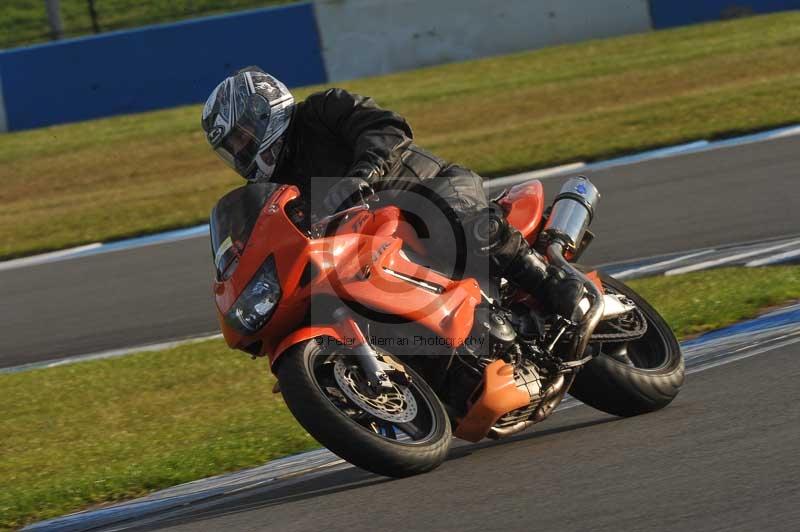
(637, 376)
(396, 433)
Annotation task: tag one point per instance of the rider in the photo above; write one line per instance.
(254, 124)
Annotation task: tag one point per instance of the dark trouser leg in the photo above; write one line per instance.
(440, 208)
(465, 233)
(470, 236)
(461, 198)
(494, 249)
(487, 233)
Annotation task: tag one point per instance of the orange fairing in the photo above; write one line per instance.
(382, 279)
(309, 333)
(524, 206)
(500, 395)
(362, 262)
(273, 234)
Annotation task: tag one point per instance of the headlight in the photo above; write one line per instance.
(255, 305)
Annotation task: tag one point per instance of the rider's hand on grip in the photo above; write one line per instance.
(347, 192)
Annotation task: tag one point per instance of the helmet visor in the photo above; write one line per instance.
(268, 159)
(239, 149)
(240, 146)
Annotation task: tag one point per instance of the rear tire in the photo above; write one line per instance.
(650, 384)
(303, 392)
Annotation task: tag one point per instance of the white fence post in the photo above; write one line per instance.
(54, 18)
(3, 118)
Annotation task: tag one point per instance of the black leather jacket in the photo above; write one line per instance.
(337, 134)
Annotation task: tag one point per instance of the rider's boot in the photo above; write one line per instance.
(513, 259)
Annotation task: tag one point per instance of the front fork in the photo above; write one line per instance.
(376, 370)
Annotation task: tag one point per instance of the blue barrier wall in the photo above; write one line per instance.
(175, 64)
(671, 13)
(155, 67)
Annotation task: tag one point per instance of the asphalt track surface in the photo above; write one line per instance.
(723, 456)
(162, 292)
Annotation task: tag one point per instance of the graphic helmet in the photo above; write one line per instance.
(246, 119)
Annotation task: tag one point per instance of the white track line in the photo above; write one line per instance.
(725, 260)
(535, 174)
(774, 258)
(698, 146)
(624, 274)
(650, 267)
(741, 354)
(113, 353)
(46, 257)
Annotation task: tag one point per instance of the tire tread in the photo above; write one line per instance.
(616, 388)
(344, 437)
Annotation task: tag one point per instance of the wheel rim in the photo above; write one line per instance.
(648, 353)
(403, 415)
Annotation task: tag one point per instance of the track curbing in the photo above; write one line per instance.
(758, 336)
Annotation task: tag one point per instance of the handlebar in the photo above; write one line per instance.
(319, 227)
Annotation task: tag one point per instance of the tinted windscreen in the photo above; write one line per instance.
(233, 219)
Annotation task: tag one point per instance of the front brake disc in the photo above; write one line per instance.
(397, 405)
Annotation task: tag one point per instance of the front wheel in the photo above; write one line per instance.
(634, 377)
(398, 433)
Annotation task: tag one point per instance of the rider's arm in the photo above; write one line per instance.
(378, 137)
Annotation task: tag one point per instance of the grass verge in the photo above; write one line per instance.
(114, 429)
(128, 175)
(25, 21)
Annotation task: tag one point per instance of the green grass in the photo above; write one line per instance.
(703, 301)
(25, 21)
(102, 431)
(110, 430)
(128, 175)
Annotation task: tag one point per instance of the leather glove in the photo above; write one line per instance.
(365, 171)
(347, 192)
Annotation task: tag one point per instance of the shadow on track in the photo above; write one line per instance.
(326, 483)
(463, 451)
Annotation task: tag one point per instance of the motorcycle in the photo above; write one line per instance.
(382, 358)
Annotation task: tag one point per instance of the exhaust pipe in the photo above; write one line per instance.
(548, 401)
(571, 214)
(589, 321)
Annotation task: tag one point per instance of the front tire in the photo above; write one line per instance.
(652, 379)
(351, 427)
